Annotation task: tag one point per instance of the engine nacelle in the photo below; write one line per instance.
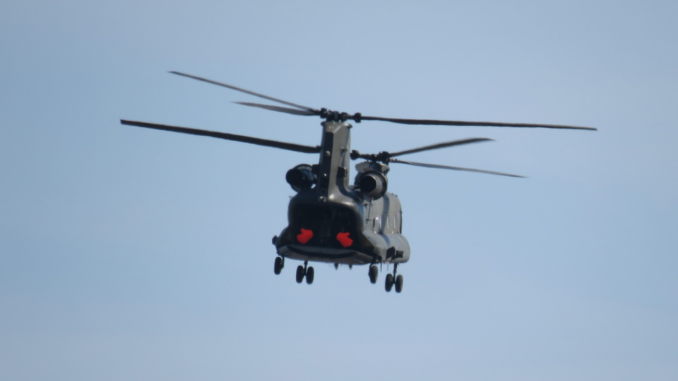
(300, 177)
(372, 184)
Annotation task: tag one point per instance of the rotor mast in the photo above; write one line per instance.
(334, 164)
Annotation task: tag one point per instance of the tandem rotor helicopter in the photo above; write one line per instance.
(330, 219)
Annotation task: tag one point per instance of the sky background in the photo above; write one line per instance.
(135, 254)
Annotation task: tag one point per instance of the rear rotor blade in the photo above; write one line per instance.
(223, 135)
(463, 123)
(453, 168)
(440, 145)
(316, 112)
(278, 108)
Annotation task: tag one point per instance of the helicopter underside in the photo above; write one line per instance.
(327, 254)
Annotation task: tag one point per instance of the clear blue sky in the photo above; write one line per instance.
(140, 255)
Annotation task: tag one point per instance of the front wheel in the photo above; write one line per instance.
(389, 282)
(399, 283)
(374, 273)
(309, 275)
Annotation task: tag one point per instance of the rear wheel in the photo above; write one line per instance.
(277, 268)
(389, 282)
(309, 275)
(374, 273)
(300, 273)
(399, 283)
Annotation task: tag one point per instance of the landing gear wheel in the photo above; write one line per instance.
(399, 283)
(374, 273)
(389, 282)
(277, 268)
(300, 273)
(309, 275)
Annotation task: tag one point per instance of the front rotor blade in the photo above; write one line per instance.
(223, 135)
(278, 108)
(316, 112)
(463, 123)
(440, 145)
(453, 168)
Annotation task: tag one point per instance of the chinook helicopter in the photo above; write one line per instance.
(329, 219)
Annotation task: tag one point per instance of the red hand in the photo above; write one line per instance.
(305, 236)
(344, 240)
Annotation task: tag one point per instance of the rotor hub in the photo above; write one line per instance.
(336, 116)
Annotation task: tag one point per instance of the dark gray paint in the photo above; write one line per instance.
(379, 220)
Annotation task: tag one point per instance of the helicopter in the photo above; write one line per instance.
(330, 219)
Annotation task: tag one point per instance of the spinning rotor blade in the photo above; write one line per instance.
(278, 108)
(453, 168)
(357, 117)
(316, 112)
(440, 145)
(223, 135)
(463, 123)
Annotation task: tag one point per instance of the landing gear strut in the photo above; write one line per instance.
(305, 271)
(393, 279)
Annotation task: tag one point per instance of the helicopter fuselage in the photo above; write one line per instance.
(333, 221)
